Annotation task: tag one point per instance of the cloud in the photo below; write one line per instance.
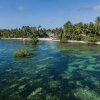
(21, 8)
(97, 8)
(76, 17)
(85, 8)
(89, 8)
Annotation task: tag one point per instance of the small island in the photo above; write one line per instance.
(22, 53)
(88, 33)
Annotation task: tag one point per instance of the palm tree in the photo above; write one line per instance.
(98, 20)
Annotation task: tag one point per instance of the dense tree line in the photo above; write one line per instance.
(24, 32)
(80, 31)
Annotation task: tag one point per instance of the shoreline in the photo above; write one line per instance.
(16, 38)
(50, 39)
(40, 39)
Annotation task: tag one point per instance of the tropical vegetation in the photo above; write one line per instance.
(22, 53)
(80, 31)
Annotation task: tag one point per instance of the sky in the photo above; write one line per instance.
(47, 13)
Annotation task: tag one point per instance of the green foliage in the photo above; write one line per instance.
(91, 39)
(34, 41)
(0, 35)
(24, 32)
(22, 53)
(69, 31)
(88, 32)
(98, 20)
(58, 33)
(63, 40)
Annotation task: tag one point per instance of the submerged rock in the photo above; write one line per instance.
(86, 94)
(49, 97)
(38, 90)
(54, 84)
(21, 87)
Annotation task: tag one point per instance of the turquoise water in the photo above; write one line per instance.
(55, 72)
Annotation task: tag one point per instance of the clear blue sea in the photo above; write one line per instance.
(56, 71)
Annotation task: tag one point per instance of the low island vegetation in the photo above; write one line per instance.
(22, 53)
(89, 32)
(25, 52)
(34, 41)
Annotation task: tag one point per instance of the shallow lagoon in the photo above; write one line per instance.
(55, 72)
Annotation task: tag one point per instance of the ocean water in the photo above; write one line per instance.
(56, 71)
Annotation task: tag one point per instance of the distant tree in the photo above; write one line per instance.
(39, 27)
(68, 30)
(0, 34)
(97, 20)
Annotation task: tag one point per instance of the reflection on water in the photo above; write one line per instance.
(55, 72)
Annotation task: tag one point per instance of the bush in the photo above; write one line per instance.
(34, 41)
(23, 53)
(63, 40)
(91, 39)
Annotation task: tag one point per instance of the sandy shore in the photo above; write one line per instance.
(69, 41)
(16, 38)
(74, 41)
(50, 39)
(40, 39)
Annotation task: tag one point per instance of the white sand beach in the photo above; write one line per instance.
(50, 39)
(16, 38)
